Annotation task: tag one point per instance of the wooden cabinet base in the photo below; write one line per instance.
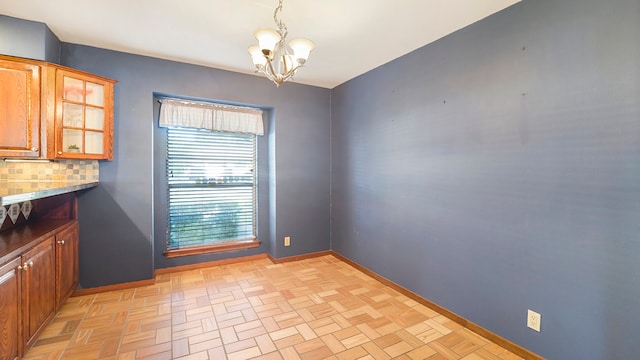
(38, 272)
(66, 263)
(38, 289)
(10, 305)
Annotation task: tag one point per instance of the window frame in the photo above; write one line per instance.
(214, 246)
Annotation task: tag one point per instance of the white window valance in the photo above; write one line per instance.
(210, 116)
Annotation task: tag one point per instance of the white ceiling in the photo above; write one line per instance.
(351, 36)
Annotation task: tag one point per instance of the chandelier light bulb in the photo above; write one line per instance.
(301, 48)
(267, 40)
(259, 60)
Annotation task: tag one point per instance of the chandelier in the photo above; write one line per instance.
(273, 58)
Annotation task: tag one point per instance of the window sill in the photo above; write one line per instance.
(207, 249)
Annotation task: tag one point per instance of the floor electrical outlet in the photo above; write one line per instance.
(533, 320)
(287, 241)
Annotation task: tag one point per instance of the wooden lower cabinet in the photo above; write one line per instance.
(39, 289)
(34, 284)
(66, 263)
(10, 306)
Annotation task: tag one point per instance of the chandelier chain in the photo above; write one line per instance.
(281, 26)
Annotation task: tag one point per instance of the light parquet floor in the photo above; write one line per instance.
(318, 308)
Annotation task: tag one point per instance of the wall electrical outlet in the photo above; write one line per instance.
(533, 320)
(287, 241)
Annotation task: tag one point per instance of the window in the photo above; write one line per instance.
(210, 176)
(211, 180)
(211, 187)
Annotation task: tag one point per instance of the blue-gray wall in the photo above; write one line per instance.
(498, 170)
(28, 39)
(118, 241)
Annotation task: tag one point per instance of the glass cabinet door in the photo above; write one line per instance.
(85, 111)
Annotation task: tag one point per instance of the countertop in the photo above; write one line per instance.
(12, 192)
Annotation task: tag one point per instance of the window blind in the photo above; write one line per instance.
(211, 183)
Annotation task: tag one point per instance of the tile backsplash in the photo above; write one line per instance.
(60, 170)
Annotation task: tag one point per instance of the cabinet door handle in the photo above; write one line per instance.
(61, 242)
(59, 152)
(31, 263)
(20, 267)
(34, 149)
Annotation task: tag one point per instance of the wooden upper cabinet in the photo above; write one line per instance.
(19, 109)
(54, 112)
(83, 116)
